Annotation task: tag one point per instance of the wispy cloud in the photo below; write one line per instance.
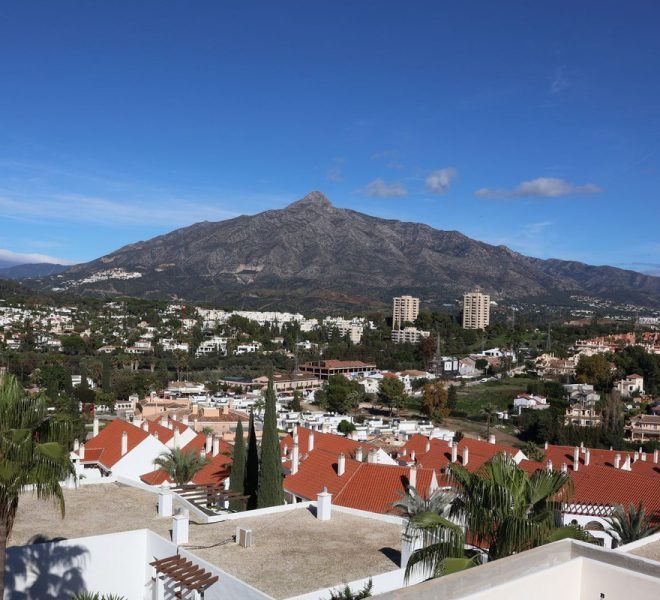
(390, 157)
(92, 209)
(530, 239)
(335, 173)
(541, 187)
(378, 188)
(439, 181)
(21, 258)
(558, 81)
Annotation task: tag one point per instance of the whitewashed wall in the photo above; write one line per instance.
(139, 460)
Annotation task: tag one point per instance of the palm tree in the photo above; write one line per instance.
(180, 465)
(627, 526)
(33, 456)
(503, 509)
(488, 411)
(413, 503)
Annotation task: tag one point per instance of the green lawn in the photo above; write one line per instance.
(472, 399)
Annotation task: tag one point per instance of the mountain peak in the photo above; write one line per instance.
(312, 200)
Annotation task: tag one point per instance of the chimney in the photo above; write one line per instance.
(427, 448)
(310, 441)
(564, 468)
(655, 456)
(165, 500)
(184, 419)
(641, 449)
(576, 458)
(295, 459)
(546, 445)
(209, 443)
(177, 438)
(216, 445)
(95, 427)
(163, 421)
(413, 455)
(643, 456)
(180, 528)
(617, 461)
(202, 451)
(412, 477)
(626, 465)
(491, 438)
(549, 466)
(324, 505)
(145, 426)
(450, 442)
(359, 454)
(76, 445)
(466, 455)
(454, 453)
(81, 452)
(587, 457)
(124, 443)
(341, 465)
(372, 457)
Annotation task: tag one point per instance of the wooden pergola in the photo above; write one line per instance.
(184, 573)
(210, 497)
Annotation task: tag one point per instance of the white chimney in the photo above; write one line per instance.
(372, 457)
(549, 466)
(177, 438)
(617, 461)
(163, 420)
(641, 449)
(412, 477)
(295, 459)
(180, 528)
(427, 448)
(310, 441)
(626, 465)
(466, 455)
(202, 451)
(576, 458)
(81, 452)
(643, 456)
(216, 445)
(413, 455)
(546, 445)
(564, 468)
(341, 465)
(165, 500)
(124, 443)
(587, 457)
(655, 456)
(209, 443)
(76, 445)
(359, 454)
(145, 426)
(324, 505)
(95, 427)
(450, 442)
(454, 453)
(491, 438)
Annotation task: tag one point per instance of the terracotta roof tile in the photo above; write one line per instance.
(105, 448)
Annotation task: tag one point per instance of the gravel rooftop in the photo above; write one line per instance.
(292, 552)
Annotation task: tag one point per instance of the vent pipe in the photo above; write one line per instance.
(454, 453)
(587, 457)
(466, 455)
(216, 445)
(209, 443)
(564, 468)
(546, 445)
(124, 443)
(310, 441)
(372, 457)
(576, 458)
(413, 455)
(295, 459)
(341, 465)
(655, 456)
(617, 461)
(412, 477)
(491, 438)
(626, 465)
(549, 466)
(359, 454)
(427, 448)
(81, 452)
(95, 427)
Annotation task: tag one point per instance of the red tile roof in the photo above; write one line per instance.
(324, 441)
(105, 448)
(601, 457)
(363, 486)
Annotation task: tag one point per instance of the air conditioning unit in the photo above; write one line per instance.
(244, 537)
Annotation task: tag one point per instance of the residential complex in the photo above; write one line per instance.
(404, 310)
(476, 310)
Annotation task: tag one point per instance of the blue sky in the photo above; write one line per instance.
(530, 124)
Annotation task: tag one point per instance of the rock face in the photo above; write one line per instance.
(314, 255)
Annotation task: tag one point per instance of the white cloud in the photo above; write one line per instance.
(379, 189)
(558, 82)
(439, 181)
(541, 187)
(22, 258)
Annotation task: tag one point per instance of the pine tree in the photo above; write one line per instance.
(251, 480)
(270, 492)
(237, 478)
(452, 398)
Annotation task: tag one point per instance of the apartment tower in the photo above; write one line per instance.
(476, 310)
(404, 309)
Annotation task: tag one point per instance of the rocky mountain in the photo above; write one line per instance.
(314, 255)
(31, 271)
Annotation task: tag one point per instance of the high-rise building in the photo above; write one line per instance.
(476, 310)
(404, 310)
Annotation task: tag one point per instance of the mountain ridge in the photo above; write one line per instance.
(313, 254)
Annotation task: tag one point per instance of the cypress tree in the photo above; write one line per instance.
(237, 478)
(84, 385)
(251, 467)
(106, 375)
(270, 492)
